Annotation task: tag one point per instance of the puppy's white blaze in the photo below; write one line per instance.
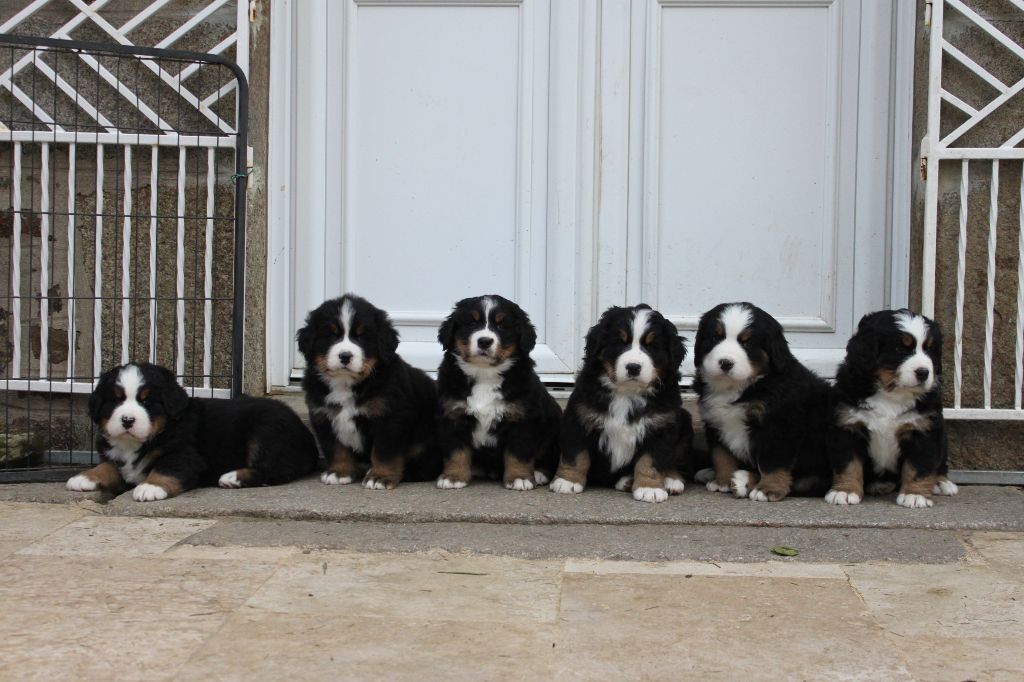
(740, 483)
(945, 487)
(674, 486)
(650, 494)
(485, 333)
(636, 355)
(916, 326)
(734, 320)
(346, 345)
(540, 478)
(520, 484)
(229, 480)
(705, 475)
(81, 484)
(130, 379)
(331, 478)
(560, 485)
(913, 501)
(624, 483)
(841, 498)
(147, 492)
(448, 484)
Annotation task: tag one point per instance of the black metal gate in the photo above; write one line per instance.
(124, 170)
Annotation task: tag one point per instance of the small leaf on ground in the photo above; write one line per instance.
(784, 551)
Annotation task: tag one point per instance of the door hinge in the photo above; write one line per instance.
(928, 13)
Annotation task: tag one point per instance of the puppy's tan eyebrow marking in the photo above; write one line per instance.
(927, 345)
(499, 317)
(475, 314)
(624, 335)
(745, 335)
(719, 329)
(649, 338)
(143, 393)
(119, 392)
(907, 340)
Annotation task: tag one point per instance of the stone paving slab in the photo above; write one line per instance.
(976, 508)
(646, 543)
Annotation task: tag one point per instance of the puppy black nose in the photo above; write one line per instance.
(633, 369)
(485, 342)
(127, 422)
(922, 374)
(726, 364)
(345, 357)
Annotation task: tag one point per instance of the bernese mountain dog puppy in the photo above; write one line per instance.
(496, 413)
(154, 436)
(625, 424)
(765, 414)
(370, 410)
(887, 412)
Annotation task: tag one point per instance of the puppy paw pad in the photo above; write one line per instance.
(81, 484)
(520, 484)
(841, 498)
(445, 483)
(229, 480)
(561, 485)
(147, 492)
(705, 476)
(674, 486)
(650, 494)
(912, 501)
(624, 484)
(945, 487)
(331, 478)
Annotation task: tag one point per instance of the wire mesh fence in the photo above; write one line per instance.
(123, 173)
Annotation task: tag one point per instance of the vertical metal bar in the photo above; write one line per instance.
(153, 179)
(180, 359)
(16, 266)
(71, 261)
(97, 309)
(126, 255)
(208, 271)
(44, 262)
(930, 149)
(990, 298)
(241, 179)
(961, 266)
(1018, 375)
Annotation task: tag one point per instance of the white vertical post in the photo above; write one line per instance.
(1018, 375)
(990, 299)
(931, 194)
(16, 266)
(180, 359)
(126, 255)
(44, 262)
(153, 179)
(961, 266)
(208, 272)
(71, 261)
(97, 310)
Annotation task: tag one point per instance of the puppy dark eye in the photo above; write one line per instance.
(358, 331)
(927, 345)
(624, 335)
(649, 339)
(332, 329)
(719, 331)
(475, 315)
(745, 336)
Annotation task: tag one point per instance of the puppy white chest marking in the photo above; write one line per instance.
(620, 436)
(884, 415)
(126, 455)
(719, 409)
(486, 403)
(344, 421)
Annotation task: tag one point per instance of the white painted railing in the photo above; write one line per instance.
(946, 151)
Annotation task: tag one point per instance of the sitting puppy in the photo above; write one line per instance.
(496, 412)
(887, 410)
(765, 414)
(624, 424)
(153, 436)
(370, 410)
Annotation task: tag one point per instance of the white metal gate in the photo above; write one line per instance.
(973, 137)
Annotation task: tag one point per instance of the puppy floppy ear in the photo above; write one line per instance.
(446, 332)
(676, 343)
(387, 335)
(304, 337)
(174, 397)
(527, 334)
(778, 348)
(592, 342)
(862, 349)
(935, 351)
(103, 386)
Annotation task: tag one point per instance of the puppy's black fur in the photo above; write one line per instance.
(615, 429)
(380, 419)
(497, 415)
(194, 441)
(772, 423)
(887, 426)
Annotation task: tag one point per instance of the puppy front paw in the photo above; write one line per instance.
(520, 484)
(912, 501)
(740, 483)
(540, 478)
(446, 483)
(716, 487)
(147, 492)
(80, 483)
(674, 486)
(229, 480)
(624, 484)
(841, 497)
(375, 481)
(945, 487)
(331, 478)
(650, 494)
(561, 485)
(705, 476)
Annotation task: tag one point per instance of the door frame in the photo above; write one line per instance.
(595, 64)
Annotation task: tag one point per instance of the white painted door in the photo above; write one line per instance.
(577, 154)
